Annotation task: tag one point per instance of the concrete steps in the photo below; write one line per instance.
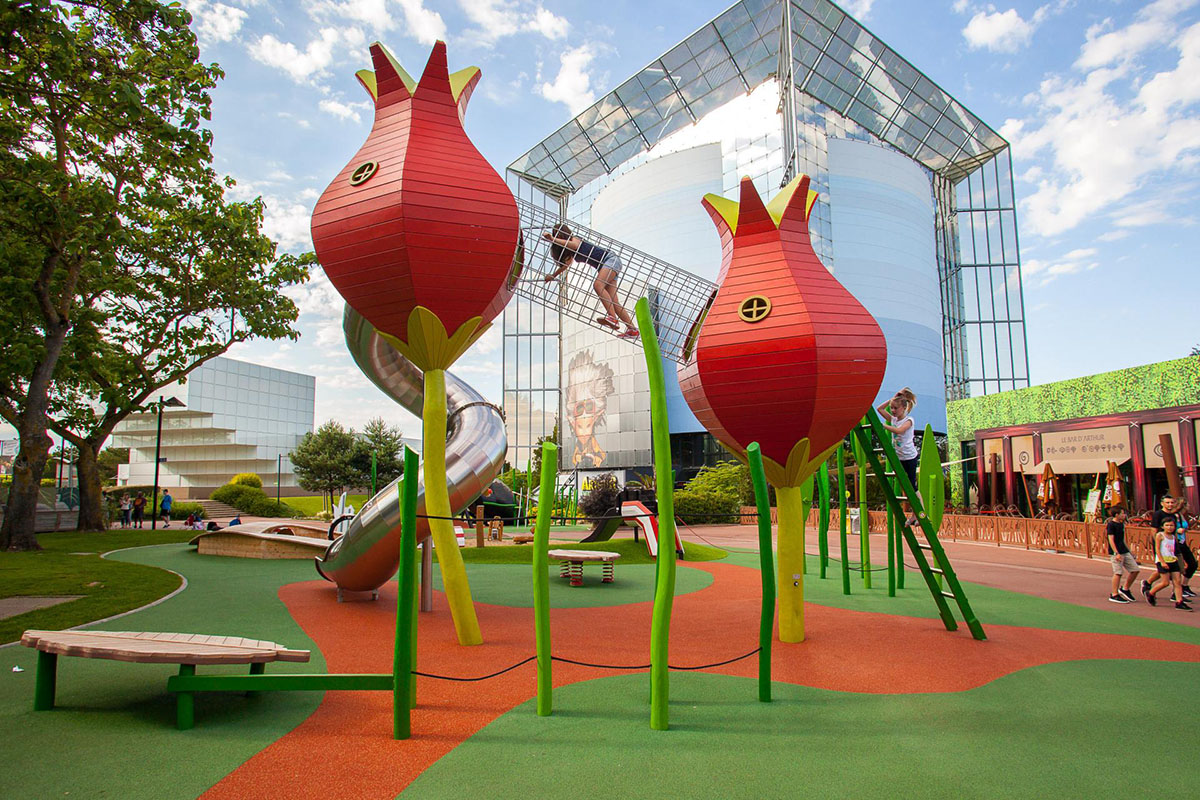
(215, 510)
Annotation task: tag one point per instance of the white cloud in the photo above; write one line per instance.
(496, 19)
(1037, 273)
(960, 6)
(215, 22)
(423, 24)
(1153, 24)
(426, 26)
(573, 84)
(999, 31)
(1113, 236)
(301, 65)
(1113, 130)
(859, 9)
(343, 110)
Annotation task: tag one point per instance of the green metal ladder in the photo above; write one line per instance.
(872, 424)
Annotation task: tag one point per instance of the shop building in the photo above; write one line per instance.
(1077, 427)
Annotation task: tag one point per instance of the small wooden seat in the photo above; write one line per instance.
(573, 561)
(185, 649)
(523, 538)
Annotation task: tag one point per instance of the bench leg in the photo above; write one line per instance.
(565, 570)
(608, 572)
(257, 668)
(185, 702)
(47, 679)
(577, 574)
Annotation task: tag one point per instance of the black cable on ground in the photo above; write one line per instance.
(563, 660)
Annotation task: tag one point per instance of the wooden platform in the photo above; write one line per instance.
(188, 650)
(250, 544)
(573, 561)
(160, 648)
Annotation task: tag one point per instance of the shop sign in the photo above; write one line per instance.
(1087, 450)
(1152, 447)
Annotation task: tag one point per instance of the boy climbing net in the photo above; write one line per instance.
(565, 248)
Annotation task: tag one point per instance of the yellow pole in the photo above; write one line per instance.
(437, 504)
(791, 563)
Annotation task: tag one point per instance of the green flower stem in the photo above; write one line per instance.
(405, 658)
(766, 624)
(541, 580)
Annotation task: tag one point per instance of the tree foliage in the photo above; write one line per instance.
(107, 462)
(387, 443)
(324, 461)
(124, 256)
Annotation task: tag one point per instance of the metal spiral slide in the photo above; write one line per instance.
(368, 553)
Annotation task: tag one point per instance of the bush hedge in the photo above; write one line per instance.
(181, 510)
(247, 479)
(705, 506)
(250, 500)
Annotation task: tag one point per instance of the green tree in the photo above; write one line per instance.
(536, 469)
(101, 111)
(107, 462)
(387, 443)
(325, 461)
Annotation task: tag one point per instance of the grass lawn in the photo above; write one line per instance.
(70, 564)
(313, 505)
(631, 552)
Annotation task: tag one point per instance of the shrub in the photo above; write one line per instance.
(247, 479)
(253, 501)
(182, 510)
(703, 506)
(601, 499)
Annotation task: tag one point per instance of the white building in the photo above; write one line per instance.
(237, 417)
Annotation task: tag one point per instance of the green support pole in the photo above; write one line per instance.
(404, 658)
(45, 682)
(664, 589)
(864, 533)
(541, 583)
(805, 506)
(891, 549)
(374, 474)
(185, 702)
(841, 466)
(766, 624)
(823, 520)
(899, 543)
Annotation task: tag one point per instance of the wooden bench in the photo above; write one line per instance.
(523, 538)
(573, 561)
(188, 650)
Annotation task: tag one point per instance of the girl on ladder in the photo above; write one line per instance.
(565, 248)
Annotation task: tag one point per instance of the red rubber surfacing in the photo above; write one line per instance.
(347, 740)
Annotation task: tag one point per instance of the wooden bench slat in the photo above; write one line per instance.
(161, 648)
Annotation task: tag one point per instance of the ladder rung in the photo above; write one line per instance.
(951, 595)
(924, 546)
(937, 571)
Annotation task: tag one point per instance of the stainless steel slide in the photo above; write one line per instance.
(368, 553)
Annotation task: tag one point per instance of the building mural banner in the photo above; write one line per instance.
(589, 386)
(1152, 447)
(1022, 454)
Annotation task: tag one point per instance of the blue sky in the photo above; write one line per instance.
(1098, 97)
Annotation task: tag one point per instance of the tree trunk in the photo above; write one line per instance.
(20, 516)
(91, 499)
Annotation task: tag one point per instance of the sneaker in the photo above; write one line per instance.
(1188, 594)
(1128, 595)
(609, 322)
(1183, 606)
(630, 332)
(1145, 588)
(1150, 599)
(1118, 598)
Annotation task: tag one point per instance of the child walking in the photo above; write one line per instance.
(565, 248)
(1168, 567)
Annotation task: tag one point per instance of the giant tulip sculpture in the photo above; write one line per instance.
(419, 234)
(786, 357)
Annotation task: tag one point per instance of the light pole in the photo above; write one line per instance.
(173, 402)
(278, 475)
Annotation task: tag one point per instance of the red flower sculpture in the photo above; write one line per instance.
(786, 356)
(418, 232)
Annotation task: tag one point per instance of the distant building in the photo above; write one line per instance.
(915, 217)
(237, 417)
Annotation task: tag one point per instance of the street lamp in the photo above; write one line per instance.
(163, 402)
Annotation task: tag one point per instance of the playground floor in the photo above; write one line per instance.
(880, 698)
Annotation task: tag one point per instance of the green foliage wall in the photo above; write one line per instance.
(1162, 385)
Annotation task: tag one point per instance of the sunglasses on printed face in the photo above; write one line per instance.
(583, 407)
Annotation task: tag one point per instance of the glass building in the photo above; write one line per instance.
(916, 217)
(237, 417)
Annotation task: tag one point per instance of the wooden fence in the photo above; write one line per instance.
(1088, 539)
